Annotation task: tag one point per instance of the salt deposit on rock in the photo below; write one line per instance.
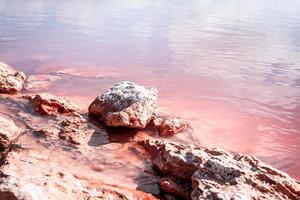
(125, 104)
(11, 81)
(217, 174)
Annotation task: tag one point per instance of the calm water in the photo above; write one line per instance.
(230, 67)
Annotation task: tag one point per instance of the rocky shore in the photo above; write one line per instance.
(52, 149)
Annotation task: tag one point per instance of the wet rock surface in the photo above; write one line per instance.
(42, 165)
(216, 174)
(168, 126)
(48, 104)
(11, 81)
(48, 181)
(125, 104)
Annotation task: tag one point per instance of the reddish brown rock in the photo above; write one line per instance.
(168, 126)
(8, 131)
(125, 104)
(216, 174)
(75, 129)
(11, 81)
(48, 104)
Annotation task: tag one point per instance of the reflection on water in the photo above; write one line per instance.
(230, 67)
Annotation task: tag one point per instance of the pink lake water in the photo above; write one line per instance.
(230, 67)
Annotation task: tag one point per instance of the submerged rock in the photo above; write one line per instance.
(168, 126)
(48, 104)
(125, 104)
(40, 82)
(8, 132)
(11, 81)
(216, 174)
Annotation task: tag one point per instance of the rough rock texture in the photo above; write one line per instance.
(168, 126)
(125, 104)
(11, 81)
(75, 129)
(30, 176)
(48, 104)
(8, 131)
(41, 166)
(216, 174)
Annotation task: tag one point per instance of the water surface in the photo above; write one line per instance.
(230, 67)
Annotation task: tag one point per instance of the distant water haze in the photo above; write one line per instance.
(230, 67)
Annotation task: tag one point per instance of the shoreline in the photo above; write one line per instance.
(83, 139)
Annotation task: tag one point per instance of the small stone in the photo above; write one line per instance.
(168, 126)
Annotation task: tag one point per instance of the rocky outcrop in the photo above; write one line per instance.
(11, 81)
(48, 104)
(216, 174)
(168, 126)
(8, 132)
(125, 104)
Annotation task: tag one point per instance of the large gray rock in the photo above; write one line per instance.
(8, 131)
(125, 104)
(218, 175)
(11, 81)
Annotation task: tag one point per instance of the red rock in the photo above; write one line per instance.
(8, 131)
(48, 104)
(75, 130)
(168, 126)
(11, 81)
(217, 174)
(125, 104)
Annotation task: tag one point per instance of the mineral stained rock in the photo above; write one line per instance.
(168, 126)
(8, 131)
(217, 174)
(11, 81)
(26, 175)
(48, 104)
(125, 104)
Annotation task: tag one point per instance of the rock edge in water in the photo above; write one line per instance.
(217, 174)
